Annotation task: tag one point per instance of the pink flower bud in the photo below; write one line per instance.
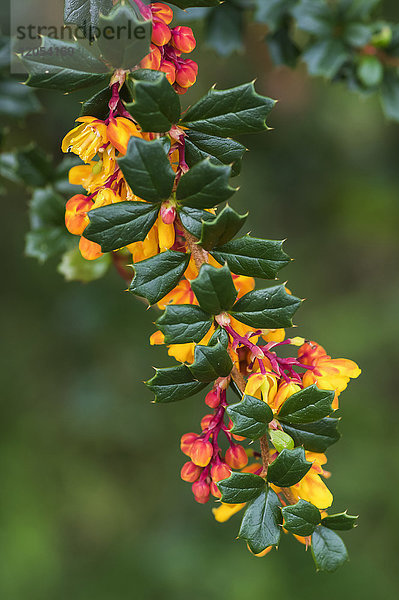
(187, 441)
(183, 39)
(206, 421)
(201, 491)
(168, 213)
(161, 33)
(219, 472)
(212, 399)
(190, 472)
(236, 457)
(201, 452)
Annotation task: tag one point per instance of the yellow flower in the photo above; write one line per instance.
(225, 511)
(86, 139)
(285, 390)
(263, 387)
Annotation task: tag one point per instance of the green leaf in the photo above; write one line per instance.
(370, 71)
(390, 95)
(340, 521)
(190, 3)
(211, 362)
(326, 57)
(97, 105)
(16, 100)
(224, 226)
(229, 112)
(192, 219)
(273, 12)
(147, 170)
(282, 48)
(241, 487)
(184, 323)
(156, 105)
(64, 66)
(125, 36)
(317, 436)
(288, 468)
(76, 268)
(271, 308)
(224, 29)
(328, 550)
(261, 524)
(253, 257)
(174, 383)
(281, 440)
(302, 518)
(250, 417)
(29, 166)
(120, 224)
(214, 289)
(307, 405)
(222, 151)
(205, 185)
(220, 335)
(85, 13)
(157, 276)
(315, 17)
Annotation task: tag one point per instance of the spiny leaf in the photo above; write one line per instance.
(301, 518)
(271, 308)
(241, 487)
(340, 521)
(219, 231)
(328, 550)
(261, 524)
(288, 468)
(317, 436)
(157, 276)
(211, 362)
(306, 406)
(174, 383)
(184, 323)
(214, 289)
(220, 150)
(205, 185)
(250, 417)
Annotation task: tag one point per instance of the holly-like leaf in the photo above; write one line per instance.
(147, 170)
(282, 48)
(224, 28)
(253, 257)
(317, 436)
(126, 36)
(192, 219)
(328, 550)
(33, 167)
(316, 17)
(326, 57)
(301, 518)
(261, 524)
(223, 227)
(288, 468)
(281, 440)
(85, 13)
(250, 417)
(174, 383)
(156, 105)
(229, 112)
(157, 276)
(223, 151)
(16, 100)
(97, 105)
(271, 308)
(220, 335)
(214, 289)
(241, 487)
(117, 225)
(64, 66)
(340, 521)
(76, 268)
(307, 405)
(211, 362)
(273, 12)
(205, 185)
(184, 323)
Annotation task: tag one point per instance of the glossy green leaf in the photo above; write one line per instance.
(85, 13)
(157, 276)
(273, 12)
(147, 170)
(281, 440)
(76, 268)
(271, 308)
(192, 219)
(97, 105)
(282, 48)
(155, 106)
(326, 57)
(224, 226)
(328, 550)
(229, 112)
(220, 335)
(16, 100)
(317, 436)
(253, 257)
(223, 151)
(316, 17)
(224, 28)
(64, 66)
(33, 167)
(288, 468)
(261, 524)
(214, 289)
(117, 225)
(301, 518)
(205, 185)
(250, 417)
(340, 521)
(174, 383)
(125, 36)
(306, 406)
(184, 323)
(241, 487)
(211, 362)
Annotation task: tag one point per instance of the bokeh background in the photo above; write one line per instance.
(90, 497)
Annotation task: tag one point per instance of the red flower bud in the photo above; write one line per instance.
(179, 90)
(215, 490)
(170, 70)
(201, 491)
(236, 457)
(190, 472)
(212, 399)
(161, 33)
(219, 472)
(152, 60)
(168, 213)
(205, 421)
(161, 12)
(183, 39)
(187, 441)
(201, 452)
(186, 74)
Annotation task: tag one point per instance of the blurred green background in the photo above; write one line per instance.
(91, 501)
